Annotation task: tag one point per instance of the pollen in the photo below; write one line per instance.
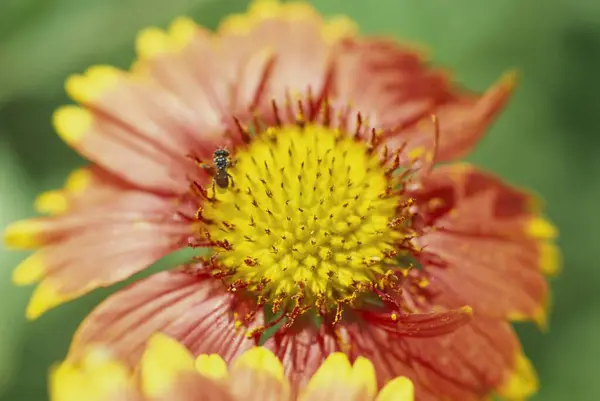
(307, 221)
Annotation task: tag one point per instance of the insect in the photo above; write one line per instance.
(221, 177)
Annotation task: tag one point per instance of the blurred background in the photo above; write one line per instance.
(548, 139)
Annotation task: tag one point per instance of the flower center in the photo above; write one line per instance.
(309, 220)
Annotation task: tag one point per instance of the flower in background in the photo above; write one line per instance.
(326, 220)
(167, 371)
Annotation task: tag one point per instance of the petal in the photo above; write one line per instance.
(257, 375)
(193, 387)
(399, 389)
(138, 131)
(462, 122)
(98, 377)
(338, 380)
(401, 88)
(84, 186)
(403, 92)
(185, 304)
(216, 79)
(211, 366)
(301, 353)
(490, 245)
(420, 324)
(163, 361)
(94, 246)
(465, 365)
(296, 34)
(274, 50)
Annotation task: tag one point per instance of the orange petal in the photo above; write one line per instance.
(185, 304)
(484, 241)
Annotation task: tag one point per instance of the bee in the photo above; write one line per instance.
(219, 170)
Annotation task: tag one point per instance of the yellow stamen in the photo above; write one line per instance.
(307, 219)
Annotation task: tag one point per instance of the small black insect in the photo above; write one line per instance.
(221, 176)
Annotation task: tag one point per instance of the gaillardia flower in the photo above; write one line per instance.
(167, 371)
(301, 156)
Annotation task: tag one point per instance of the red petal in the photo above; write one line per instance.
(462, 366)
(491, 260)
(192, 308)
(301, 353)
(403, 92)
(420, 324)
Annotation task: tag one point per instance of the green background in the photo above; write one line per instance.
(547, 140)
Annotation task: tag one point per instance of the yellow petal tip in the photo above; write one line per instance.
(71, 123)
(541, 228)
(29, 271)
(45, 297)
(363, 375)
(96, 81)
(211, 366)
(510, 79)
(181, 32)
(398, 389)
(522, 382)
(51, 203)
(151, 42)
(261, 359)
(336, 367)
(339, 27)
(549, 259)
(163, 360)
(78, 181)
(22, 234)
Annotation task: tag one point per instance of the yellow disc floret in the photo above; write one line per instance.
(306, 218)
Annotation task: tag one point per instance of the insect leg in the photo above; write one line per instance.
(214, 189)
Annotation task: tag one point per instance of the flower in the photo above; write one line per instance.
(167, 371)
(331, 223)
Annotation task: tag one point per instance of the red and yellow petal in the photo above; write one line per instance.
(166, 372)
(258, 375)
(96, 243)
(96, 377)
(339, 380)
(186, 304)
(476, 360)
(137, 131)
(491, 246)
(84, 186)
